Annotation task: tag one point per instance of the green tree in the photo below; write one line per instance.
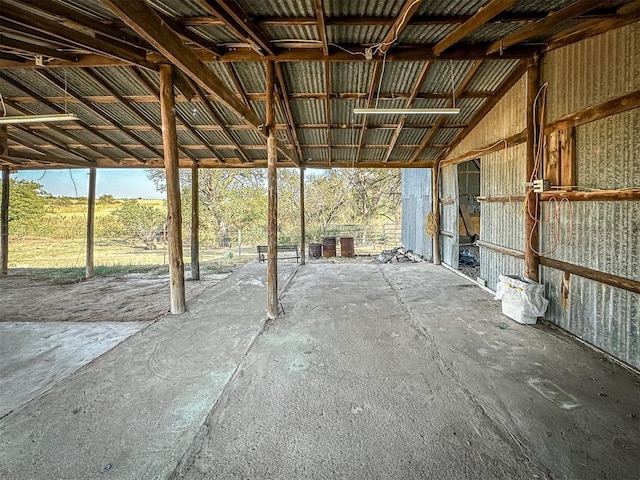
(140, 221)
(27, 201)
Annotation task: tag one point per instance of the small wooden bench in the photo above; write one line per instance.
(293, 249)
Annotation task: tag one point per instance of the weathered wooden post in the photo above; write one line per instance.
(435, 200)
(4, 206)
(532, 213)
(91, 214)
(272, 225)
(302, 219)
(174, 215)
(195, 224)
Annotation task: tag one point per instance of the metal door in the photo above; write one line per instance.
(449, 205)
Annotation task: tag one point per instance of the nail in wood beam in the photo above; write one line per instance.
(272, 226)
(174, 215)
(4, 206)
(195, 224)
(532, 217)
(302, 219)
(91, 209)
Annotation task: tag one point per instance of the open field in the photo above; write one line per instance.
(69, 254)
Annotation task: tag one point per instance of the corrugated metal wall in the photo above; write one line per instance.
(502, 173)
(604, 236)
(416, 204)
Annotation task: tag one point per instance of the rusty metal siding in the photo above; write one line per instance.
(416, 204)
(494, 264)
(596, 69)
(507, 118)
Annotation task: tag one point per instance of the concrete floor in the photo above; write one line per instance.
(393, 371)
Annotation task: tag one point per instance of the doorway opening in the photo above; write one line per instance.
(469, 218)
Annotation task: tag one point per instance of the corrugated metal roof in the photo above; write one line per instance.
(304, 77)
(342, 111)
(491, 74)
(446, 7)
(252, 76)
(411, 136)
(492, 32)
(90, 8)
(315, 154)
(247, 137)
(414, 34)
(281, 8)
(538, 6)
(443, 73)
(356, 34)
(400, 77)
(345, 136)
(215, 33)
(378, 136)
(386, 118)
(34, 81)
(401, 154)
(445, 135)
(314, 136)
(468, 108)
(351, 77)
(368, 8)
(291, 32)
(121, 80)
(305, 111)
(180, 8)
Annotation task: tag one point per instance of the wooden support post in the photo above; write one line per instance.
(302, 219)
(272, 226)
(532, 214)
(91, 216)
(174, 215)
(436, 211)
(4, 206)
(195, 224)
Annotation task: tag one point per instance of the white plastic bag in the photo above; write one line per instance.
(522, 299)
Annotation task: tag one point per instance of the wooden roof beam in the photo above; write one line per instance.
(239, 22)
(401, 22)
(440, 121)
(147, 23)
(288, 113)
(481, 17)
(542, 26)
(46, 158)
(45, 138)
(414, 93)
(109, 47)
(34, 49)
(238, 84)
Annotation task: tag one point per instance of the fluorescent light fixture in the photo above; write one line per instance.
(19, 119)
(406, 111)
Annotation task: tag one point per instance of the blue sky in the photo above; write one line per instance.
(119, 182)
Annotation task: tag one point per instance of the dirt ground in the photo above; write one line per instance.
(128, 298)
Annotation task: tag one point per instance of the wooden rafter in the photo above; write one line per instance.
(481, 17)
(239, 22)
(375, 81)
(81, 123)
(401, 22)
(414, 93)
(509, 82)
(44, 158)
(49, 140)
(35, 49)
(147, 23)
(190, 35)
(109, 47)
(288, 113)
(440, 121)
(542, 26)
(75, 94)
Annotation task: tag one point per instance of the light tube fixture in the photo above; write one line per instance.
(20, 119)
(406, 111)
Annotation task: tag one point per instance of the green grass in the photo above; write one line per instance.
(65, 259)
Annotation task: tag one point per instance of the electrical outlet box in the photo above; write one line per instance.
(540, 186)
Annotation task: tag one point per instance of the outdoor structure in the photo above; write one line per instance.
(221, 83)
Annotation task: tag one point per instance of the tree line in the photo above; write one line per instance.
(231, 200)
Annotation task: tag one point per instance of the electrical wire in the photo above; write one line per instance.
(4, 107)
